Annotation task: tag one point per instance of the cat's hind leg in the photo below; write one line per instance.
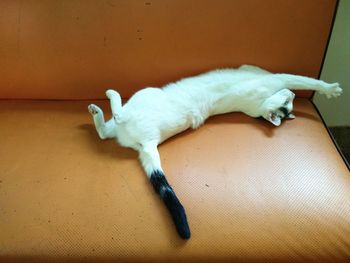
(104, 129)
(116, 103)
(150, 159)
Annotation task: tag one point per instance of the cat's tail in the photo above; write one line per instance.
(167, 194)
(150, 160)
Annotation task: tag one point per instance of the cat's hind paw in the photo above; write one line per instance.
(333, 90)
(93, 109)
(110, 93)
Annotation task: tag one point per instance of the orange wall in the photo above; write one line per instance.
(77, 49)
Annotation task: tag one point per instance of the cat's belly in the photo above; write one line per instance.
(246, 105)
(144, 128)
(170, 132)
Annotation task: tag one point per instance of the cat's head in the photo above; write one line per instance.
(280, 107)
(276, 117)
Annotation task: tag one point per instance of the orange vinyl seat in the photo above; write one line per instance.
(251, 191)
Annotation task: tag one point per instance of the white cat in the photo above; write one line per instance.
(152, 115)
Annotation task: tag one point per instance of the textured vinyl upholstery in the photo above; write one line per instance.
(76, 49)
(252, 191)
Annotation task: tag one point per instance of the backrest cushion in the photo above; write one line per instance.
(78, 49)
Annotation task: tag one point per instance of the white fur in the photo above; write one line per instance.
(152, 115)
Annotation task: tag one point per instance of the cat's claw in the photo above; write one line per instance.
(333, 90)
(93, 109)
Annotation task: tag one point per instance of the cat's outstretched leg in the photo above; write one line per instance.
(104, 129)
(255, 69)
(150, 159)
(296, 82)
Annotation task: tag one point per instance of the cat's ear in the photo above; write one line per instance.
(274, 118)
(290, 116)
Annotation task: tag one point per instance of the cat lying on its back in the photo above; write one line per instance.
(152, 115)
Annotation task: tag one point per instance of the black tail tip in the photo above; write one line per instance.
(173, 204)
(184, 233)
(178, 214)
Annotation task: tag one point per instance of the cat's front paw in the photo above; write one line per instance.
(333, 90)
(93, 109)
